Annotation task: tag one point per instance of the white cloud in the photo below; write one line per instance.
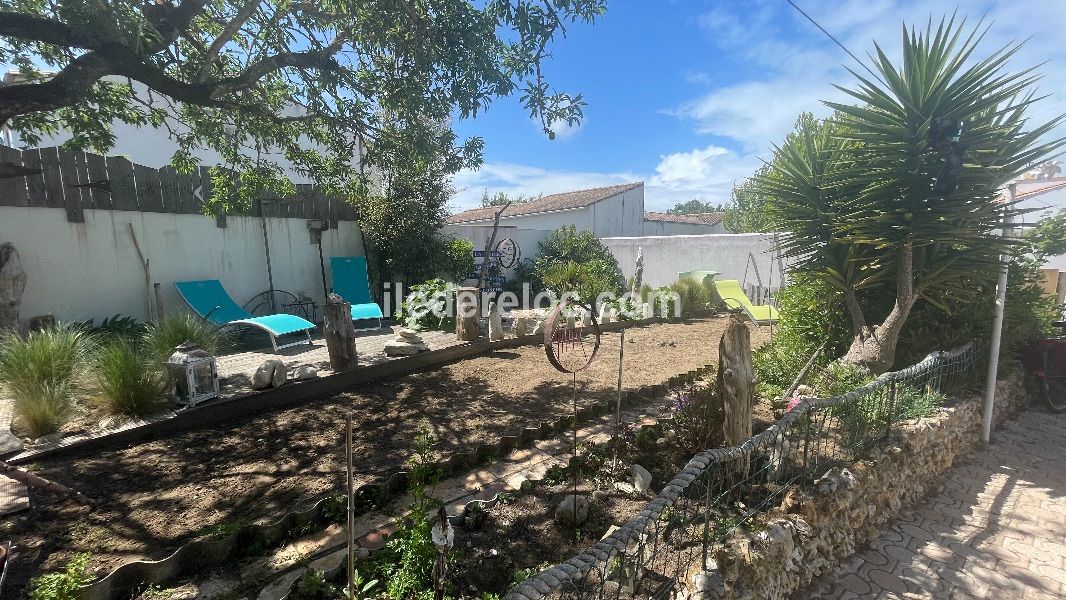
(794, 73)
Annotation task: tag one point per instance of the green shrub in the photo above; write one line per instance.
(457, 259)
(43, 408)
(1027, 315)
(697, 297)
(64, 585)
(51, 357)
(128, 382)
(913, 403)
(840, 378)
(173, 331)
(663, 300)
(698, 418)
(41, 371)
(566, 245)
(115, 327)
(425, 301)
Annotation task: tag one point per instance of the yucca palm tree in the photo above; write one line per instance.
(902, 189)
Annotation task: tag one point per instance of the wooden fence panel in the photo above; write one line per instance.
(72, 194)
(53, 180)
(35, 191)
(97, 169)
(123, 186)
(147, 182)
(75, 180)
(12, 189)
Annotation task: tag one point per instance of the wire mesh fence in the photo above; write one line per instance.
(656, 553)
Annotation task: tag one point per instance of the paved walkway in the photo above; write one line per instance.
(996, 530)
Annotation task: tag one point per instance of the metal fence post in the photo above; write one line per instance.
(891, 405)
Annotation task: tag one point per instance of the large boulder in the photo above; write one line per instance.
(641, 478)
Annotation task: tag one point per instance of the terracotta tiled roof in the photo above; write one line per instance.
(563, 201)
(1028, 188)
(707, 218)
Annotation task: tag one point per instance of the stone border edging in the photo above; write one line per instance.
(290, 394)
(205, 553)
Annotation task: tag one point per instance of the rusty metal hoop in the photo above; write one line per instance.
(551, 341)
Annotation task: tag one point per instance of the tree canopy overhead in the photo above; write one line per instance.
(315, 82)
(695, 207)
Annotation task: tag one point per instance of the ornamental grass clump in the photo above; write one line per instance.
(161, 338)
(127, 381)
(41, 372)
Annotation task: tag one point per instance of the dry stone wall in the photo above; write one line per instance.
(817, 528)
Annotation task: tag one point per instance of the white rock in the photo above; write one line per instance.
(272, 373)
(330, 564)
(624, 487)
(304, 372)
(710, 584)
(641, 478)
(495, 323)
(408, 334)
(573, 510)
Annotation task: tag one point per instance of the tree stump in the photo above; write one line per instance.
(12, 284)
(736, 384)
(340, 334)
(466, 317)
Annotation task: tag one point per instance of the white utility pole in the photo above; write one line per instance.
(997, 330)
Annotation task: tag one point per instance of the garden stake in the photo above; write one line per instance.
(618, 402)
(351, 506)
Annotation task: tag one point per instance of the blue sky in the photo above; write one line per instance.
(689, 95)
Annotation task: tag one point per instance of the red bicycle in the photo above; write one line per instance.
(1045, 361)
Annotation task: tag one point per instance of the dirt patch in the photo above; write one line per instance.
(154, 496)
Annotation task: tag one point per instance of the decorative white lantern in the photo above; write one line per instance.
(192, 374)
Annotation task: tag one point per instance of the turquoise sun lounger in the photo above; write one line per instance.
(350, 281)
(209, 299)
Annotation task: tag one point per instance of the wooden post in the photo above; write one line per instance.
(736, 383)
(466, 317)
(340, 334)
(12, 285)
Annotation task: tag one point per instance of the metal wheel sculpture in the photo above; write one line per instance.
(570, 349)
(509, 253)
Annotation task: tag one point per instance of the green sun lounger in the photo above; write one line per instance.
(733, 297)
(700, 276)
(351, 282)
(209, 299)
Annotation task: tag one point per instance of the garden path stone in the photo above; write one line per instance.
(14, 496)
(282, 586)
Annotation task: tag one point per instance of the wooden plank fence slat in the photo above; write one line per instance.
(53, 180)
(35, 192)
(72, 195)
(97, 167)
(81, 168)
(123, 184)
(168, 189)
(12, 189)
(148, 194)
(187, 182)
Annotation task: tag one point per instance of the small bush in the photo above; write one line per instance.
(44, 408)
(51, 357)
(173, 331)
(697, 298)
(127, 382)
(424, 307)
(457, 259)
(64, 585)
(115, 327)
(567, 248)
(698, 418)
(913, 403)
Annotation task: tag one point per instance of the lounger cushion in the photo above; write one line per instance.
(277, 324)
(733, 296)
(366, 311)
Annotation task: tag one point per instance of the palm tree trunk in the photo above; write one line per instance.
(875, 347)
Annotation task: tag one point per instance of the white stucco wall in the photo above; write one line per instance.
(87, 270)
(665, 256)
(619, 216)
